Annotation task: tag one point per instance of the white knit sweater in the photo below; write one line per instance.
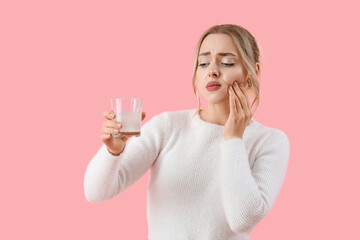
(201, 187)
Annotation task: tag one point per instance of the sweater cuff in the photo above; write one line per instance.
(108, 156)
(235, 145)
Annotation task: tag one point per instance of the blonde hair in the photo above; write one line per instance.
(248, 48)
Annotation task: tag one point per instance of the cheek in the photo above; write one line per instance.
(235, 75)
(200, 79)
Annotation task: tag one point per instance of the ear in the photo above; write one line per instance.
(257, 69)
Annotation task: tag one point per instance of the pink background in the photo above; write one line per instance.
(62, 61)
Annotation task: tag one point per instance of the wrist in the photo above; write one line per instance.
(232, 137)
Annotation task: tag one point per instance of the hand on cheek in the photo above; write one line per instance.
(240, 112)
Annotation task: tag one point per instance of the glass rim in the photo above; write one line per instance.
(114, 98)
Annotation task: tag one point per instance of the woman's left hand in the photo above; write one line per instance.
(240, 112)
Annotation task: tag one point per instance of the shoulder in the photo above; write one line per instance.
(170, 118)
(177, 116)
(265, 132)
(270, 137)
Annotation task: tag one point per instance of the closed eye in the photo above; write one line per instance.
(202, 64)
(225, 64)
(228, 64)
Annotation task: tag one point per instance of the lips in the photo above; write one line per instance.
(212, 84)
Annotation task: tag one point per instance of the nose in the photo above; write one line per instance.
(213, 70)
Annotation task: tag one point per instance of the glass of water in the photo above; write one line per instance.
(128, 111)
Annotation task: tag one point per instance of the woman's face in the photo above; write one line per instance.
(219, 61)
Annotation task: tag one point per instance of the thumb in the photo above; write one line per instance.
(143, 115)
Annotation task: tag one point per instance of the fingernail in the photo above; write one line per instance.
(115, 130)
(230, 87)
(111, 115)
(241, 85)
(118, 125)
(236, 84)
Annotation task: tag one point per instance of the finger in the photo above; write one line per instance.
(237, 99)
(109, 114)
(143, 115)
(244, 99)
(238, 105)
(232, 101)
(240, 95)
(110, 130)
(113, 124)
(105, 136)
(247, 109)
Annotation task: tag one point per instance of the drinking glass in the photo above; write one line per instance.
(128, 112)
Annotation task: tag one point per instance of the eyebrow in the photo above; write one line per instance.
(220, 54)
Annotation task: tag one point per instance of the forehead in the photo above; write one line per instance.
(218, 43)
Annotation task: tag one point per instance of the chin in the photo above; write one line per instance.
(216, 99)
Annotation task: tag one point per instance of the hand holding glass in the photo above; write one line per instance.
(128, 111)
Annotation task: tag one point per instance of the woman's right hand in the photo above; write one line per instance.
(115, 145)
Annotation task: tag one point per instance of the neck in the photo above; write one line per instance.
(216, 113)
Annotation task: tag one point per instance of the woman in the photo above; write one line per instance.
(216, 172)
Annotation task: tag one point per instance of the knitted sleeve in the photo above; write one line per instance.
(107, 175)
(248, 193)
